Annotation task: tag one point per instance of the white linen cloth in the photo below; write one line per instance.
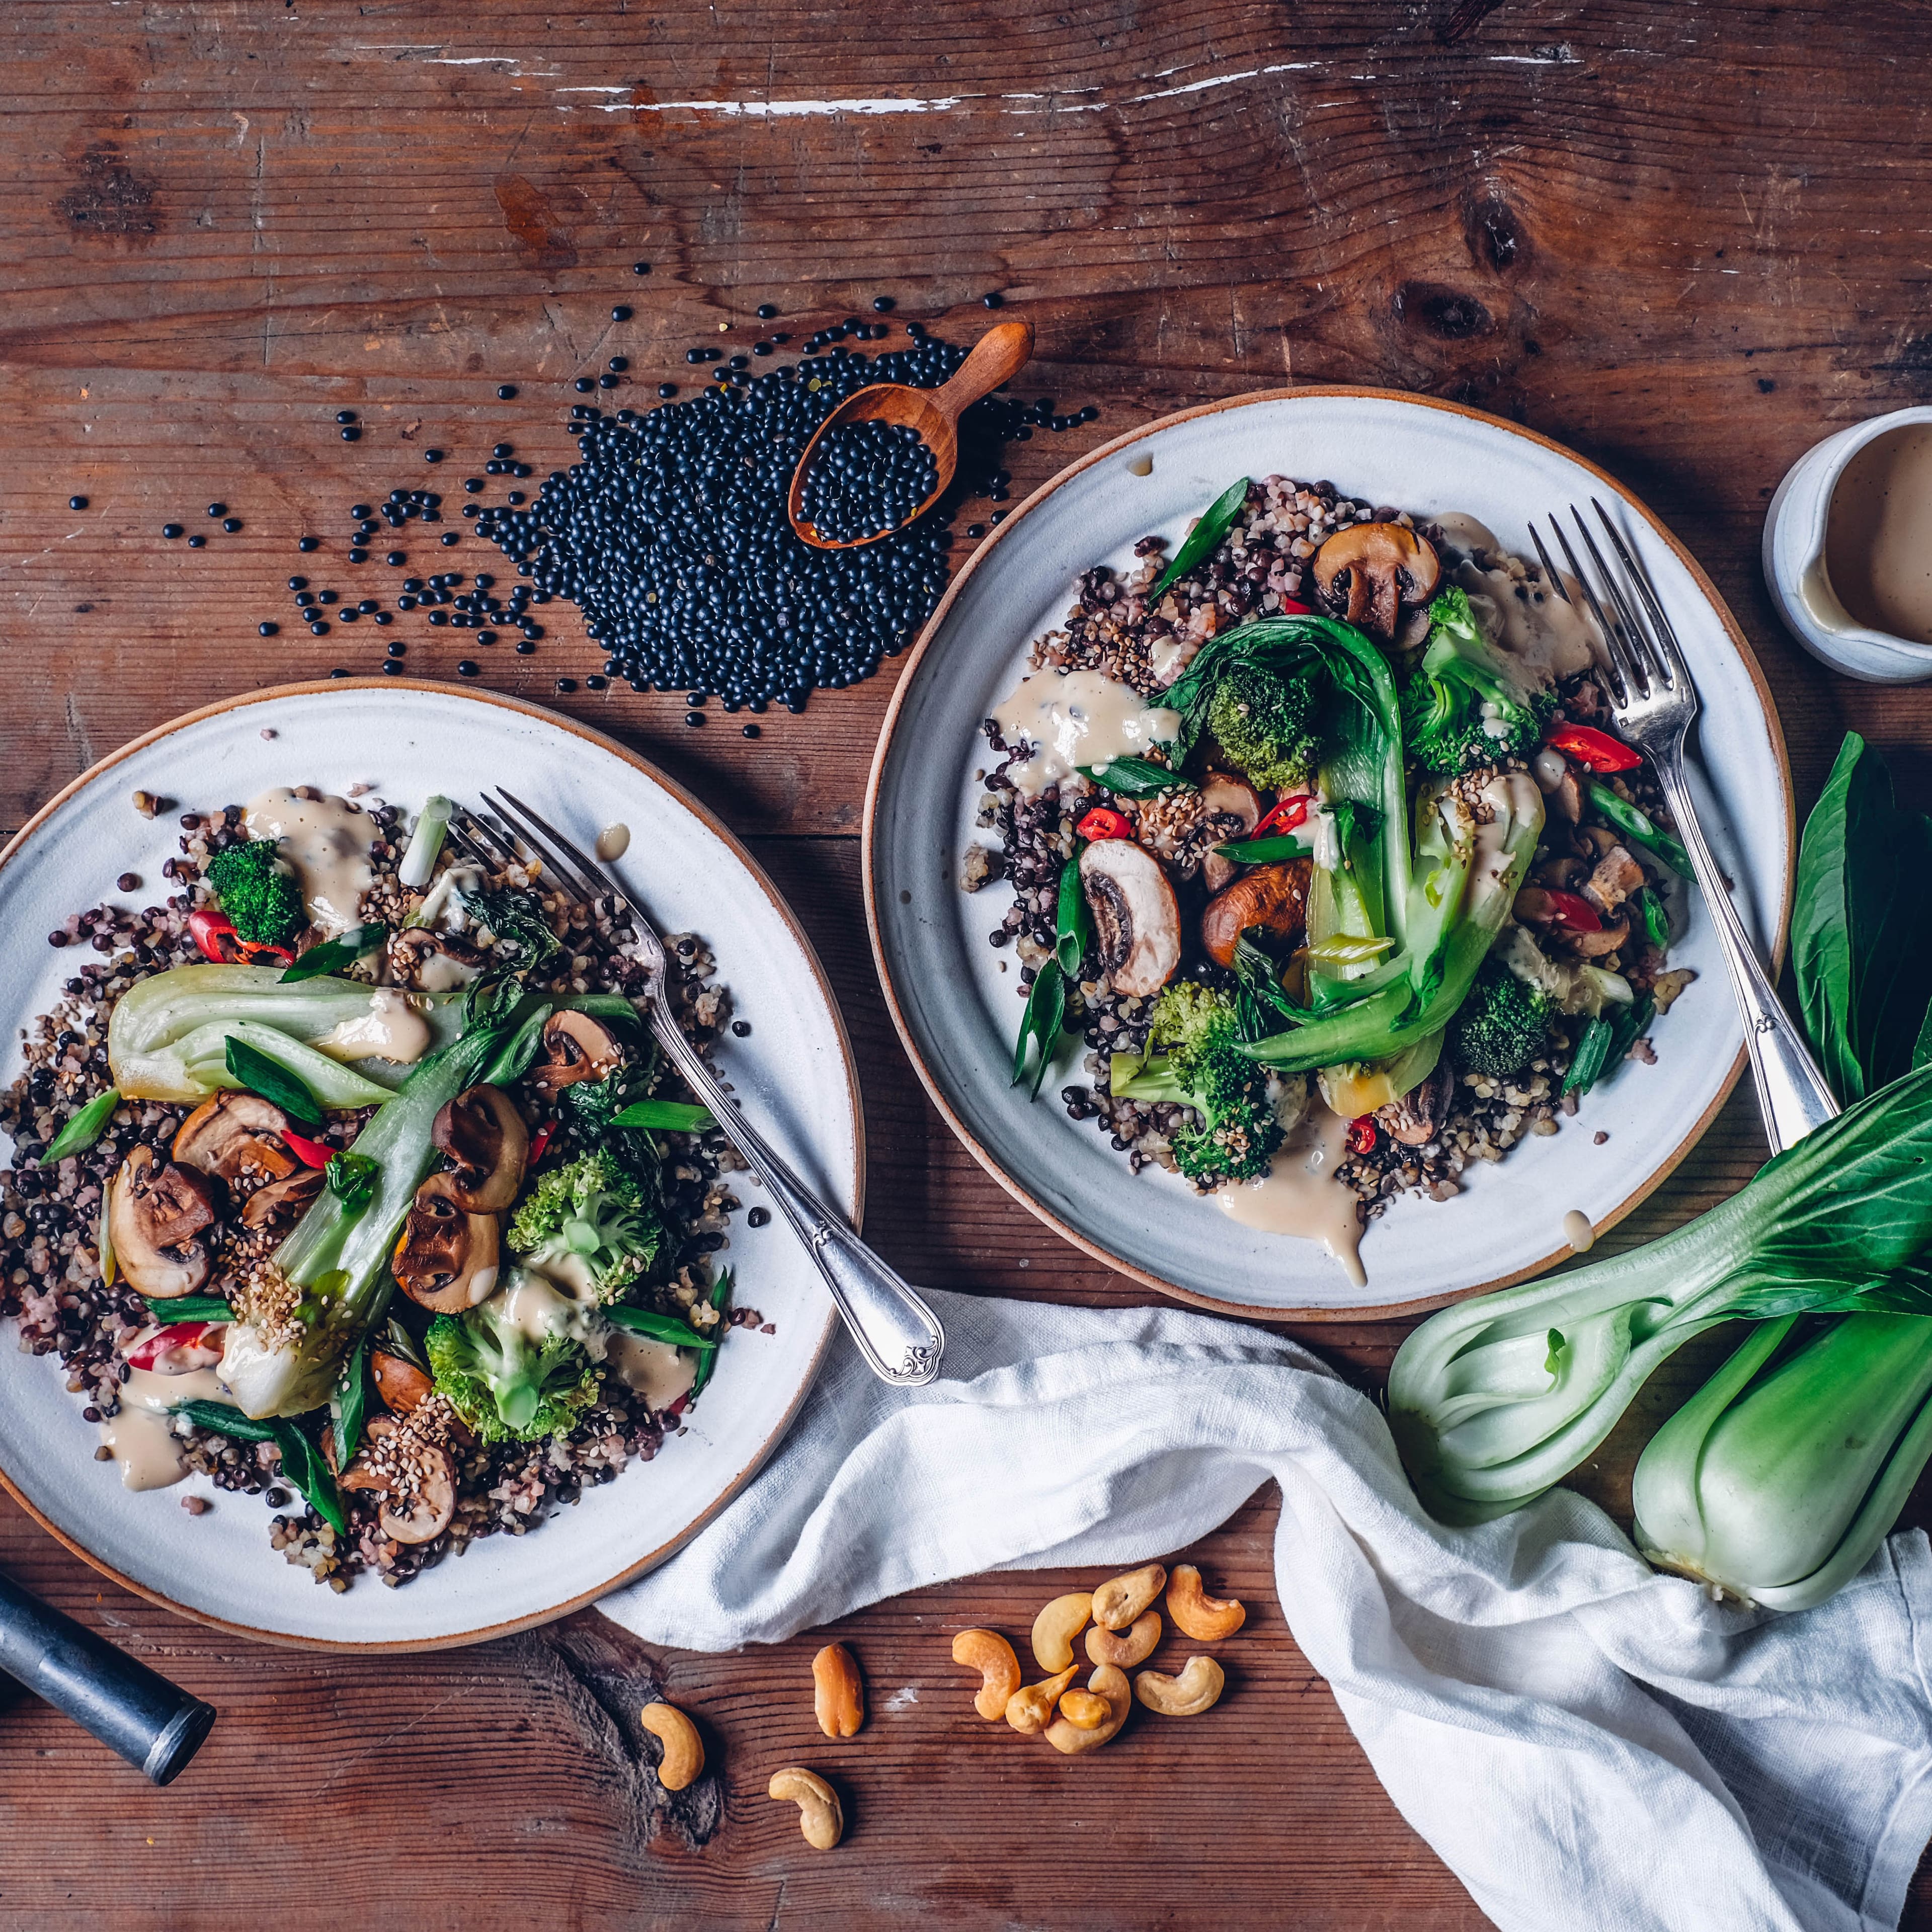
(1586, 1744)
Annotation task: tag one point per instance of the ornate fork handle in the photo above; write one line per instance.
(1791, 1091)
(898, 1335)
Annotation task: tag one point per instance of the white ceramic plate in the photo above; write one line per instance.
(958, 1012)
(794, 1071)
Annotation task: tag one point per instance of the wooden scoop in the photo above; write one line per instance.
(998, 357)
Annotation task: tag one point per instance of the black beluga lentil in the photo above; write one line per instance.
(866, 477)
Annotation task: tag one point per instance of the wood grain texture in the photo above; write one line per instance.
(1687, 241)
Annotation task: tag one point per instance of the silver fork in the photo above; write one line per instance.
(899, 1337)
(1651, 693)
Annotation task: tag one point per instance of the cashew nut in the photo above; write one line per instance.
(1117, 1603)
(988, 1653)
(1206, 1619)
(1187, 1696)
(1027, 1710)
(1085, 1708)
(837, 1697)
(683, 1757)
(1066, 1735)
(1056, 1627)
(1127, 1647)
(820, 1817)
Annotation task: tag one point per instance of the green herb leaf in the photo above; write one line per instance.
(513, 1062)
(720, 1299)
(336, 954)
(1637, 825)
(1266, 851)
(515, 919)
(658, 1327)
(85, 1128)
(1137, 778)
(351, 1397)
(303, 1465)
(1073, 921)
(1040, 1024)
(227, 1419)
(676, 1116)
(397, 1340)
(352, 1176)
(1216, 521)
(260, 1075)
(1552, 1363)
(168, 1310)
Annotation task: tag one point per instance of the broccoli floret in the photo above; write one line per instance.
(504, 1383)
(1265, 724)
(1465, 707)
(263, 900)
(591, 1208)
(1502, 1026)
(1202, 1067)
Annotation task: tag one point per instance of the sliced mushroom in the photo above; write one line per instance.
(1616, 876)
(575, 1047)
(1417, 1117)
(1135, 918)
(289, 1196)
(1595, 945)
(1274, 898)
(422, 1487)
(445, 1257)
(1369, 571)
(436, 962)
(153, 1214)
(487, 1143)
(399, 1383)
(1236, 798)
(229, 1135)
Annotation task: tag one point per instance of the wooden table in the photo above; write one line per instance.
(1688, 241)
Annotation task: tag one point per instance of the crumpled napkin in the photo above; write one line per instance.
(1585, 1744)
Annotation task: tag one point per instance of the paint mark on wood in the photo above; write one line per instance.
(528, 218)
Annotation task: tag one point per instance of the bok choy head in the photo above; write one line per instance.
(1494, 1400)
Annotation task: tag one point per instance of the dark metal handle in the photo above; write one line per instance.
(156, 1726)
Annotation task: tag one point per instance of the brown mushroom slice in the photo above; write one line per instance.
(1136, 919)
(1274, 898)
(1221, 793)
(289, 1196)
(226, 1135)
(428, 1504)
(1595, 945)
(487, 1143)
(153, 1213)
(1369, 571)
(445, 1257)
(575, 1047)
(1417, 1117)
(399, 1382)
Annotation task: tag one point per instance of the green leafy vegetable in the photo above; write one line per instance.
(262, 898)
(352, 1176)
(83, 1129)
(1552, 1362)
(592, 1211)
(1266, 722)
(260, 1075)
(515, 919)
(1073, 922)
(1207, 536)
(521, 1049)
(720, 1298)
(1637, 825)
(1040, 1023)
(1502, 1026)
(1137, 778)
(335, 955)
(168, 1310)
(1269, 851)
(658, 1327)
(229, 1420)
(672, 1117)
(1467, 705)
(349, 1400)
(397, 1341)
(506, 1383)
(302, 1464)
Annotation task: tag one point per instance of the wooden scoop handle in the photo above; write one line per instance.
(998, 357)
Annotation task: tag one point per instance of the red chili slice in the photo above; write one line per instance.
(214, 933)
(1292, 608)
(1362, 1135)
(1285, 817)
(177, 1335)
(254, 951)
(1101, 824)
(1594, 751)
(1575, 911)
(311, 1152)
(540, 1140)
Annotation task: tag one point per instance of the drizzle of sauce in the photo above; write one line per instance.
(1878, 534)
(327, 841)
(1081, 718)
(559, 1300)
(1302, 1196)
(613, 841)
(1140, 466)
(1550, 638)
(392, 1029)
(141, 1437)
(1578, 1231)
(658, 1371)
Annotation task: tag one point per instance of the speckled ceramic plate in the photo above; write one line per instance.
(958, 1012)
(794, 1070)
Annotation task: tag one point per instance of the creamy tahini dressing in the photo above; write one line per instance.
(1578, 1231)
(1878, 534)
(658, 1371)
(613, 841)
(141, 1437)
(327, 841)
(560, 1298)
(1081, 718)
(1551, 638)
(1301, 1194)
(392, 1029)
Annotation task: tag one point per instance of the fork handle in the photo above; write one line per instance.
(1791, 1091)
(899, 1337)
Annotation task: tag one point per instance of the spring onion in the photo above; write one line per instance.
(85, 1128)
(425, 844)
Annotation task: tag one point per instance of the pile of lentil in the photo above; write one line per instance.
(1114, 628)
(865, 477)
(50, 1278)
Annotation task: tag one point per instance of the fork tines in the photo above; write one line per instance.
(1643, 648)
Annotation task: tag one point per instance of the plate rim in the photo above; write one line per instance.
(869, 848)
(763, 1452)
